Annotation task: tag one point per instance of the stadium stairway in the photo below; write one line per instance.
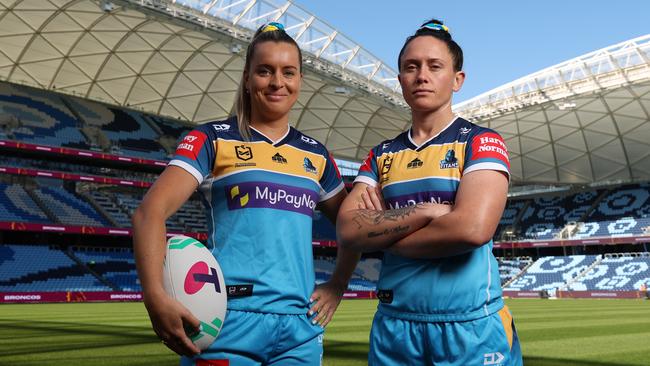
(605, 193)
(517, 220)
(83, 265)
(100, 210)
(513, 279)
(42, 205)
(582, 274)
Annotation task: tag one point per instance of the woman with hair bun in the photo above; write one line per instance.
(260, 180)
(431, 199)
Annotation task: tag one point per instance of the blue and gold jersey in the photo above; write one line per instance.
(457, 288)
(260, 198)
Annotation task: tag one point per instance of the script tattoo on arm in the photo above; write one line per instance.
(374, 217)
(396, 230)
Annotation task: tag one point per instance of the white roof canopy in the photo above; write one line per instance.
(584, 120)
(184, 59)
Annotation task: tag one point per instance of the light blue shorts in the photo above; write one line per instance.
(491, 340)
(255, 339)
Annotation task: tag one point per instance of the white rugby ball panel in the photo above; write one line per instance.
(193, 277)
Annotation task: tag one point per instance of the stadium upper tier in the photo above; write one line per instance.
(622, 211)
(184, 59)
(584, 120)
(612, 272)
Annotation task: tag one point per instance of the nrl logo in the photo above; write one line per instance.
(221, 127)
(308, 140)
(244, 152)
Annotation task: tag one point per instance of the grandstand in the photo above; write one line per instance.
(87, 123)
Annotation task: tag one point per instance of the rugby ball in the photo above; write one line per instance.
(192, 276)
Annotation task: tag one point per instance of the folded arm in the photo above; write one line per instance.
(478, 207)
(375, 229)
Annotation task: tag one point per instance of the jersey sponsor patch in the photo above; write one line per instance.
(490, 145)
(271, 195)
(191, 145)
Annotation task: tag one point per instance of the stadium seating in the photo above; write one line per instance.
(108, 203)
(39, 268)
(509, 268)
(17, 205)
(510, 214)
(546, 216)
(129, 203)
(128, 130)
(364, 277)
(551, 273)
(76, 168)
(68, 208)
(117, 267)
(322, 228)
(42, 117)
(623, 212)
(169, 127)
(616, 272)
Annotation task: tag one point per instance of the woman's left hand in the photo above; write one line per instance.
(324, 301)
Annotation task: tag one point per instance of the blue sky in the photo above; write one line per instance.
(501, 40)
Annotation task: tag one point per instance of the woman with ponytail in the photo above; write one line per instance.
(260, 180)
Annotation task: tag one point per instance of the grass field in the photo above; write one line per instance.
(561, 332)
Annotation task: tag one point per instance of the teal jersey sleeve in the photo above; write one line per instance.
(331, 182)
(486, 150)
(368, 171)
(196, 153)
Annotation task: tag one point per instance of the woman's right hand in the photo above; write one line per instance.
(169, 319)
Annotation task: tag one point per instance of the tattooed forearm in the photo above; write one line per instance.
(395, 230)
(374, 217)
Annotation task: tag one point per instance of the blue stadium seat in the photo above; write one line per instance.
(616, 272)
(117, 267)
(44, 118)
(17, 205)
(68, 208)
(39, 268)
(511, 267)
(545, 217)
(551, 273)
(128, 130)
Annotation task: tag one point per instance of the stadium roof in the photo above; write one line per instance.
(184, 59)
(584, 120)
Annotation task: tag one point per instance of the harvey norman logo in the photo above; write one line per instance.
(271, 195)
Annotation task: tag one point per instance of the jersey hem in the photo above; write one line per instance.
(437, 318)
(487, 166)
(369, 181)
(188, 168)
(333, 192)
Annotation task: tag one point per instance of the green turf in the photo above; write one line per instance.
(552, 332)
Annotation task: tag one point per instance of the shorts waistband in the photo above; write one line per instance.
(486, 310)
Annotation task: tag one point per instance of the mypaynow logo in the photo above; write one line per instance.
(271, 195)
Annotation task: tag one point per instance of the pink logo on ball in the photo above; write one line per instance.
(198, 275)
